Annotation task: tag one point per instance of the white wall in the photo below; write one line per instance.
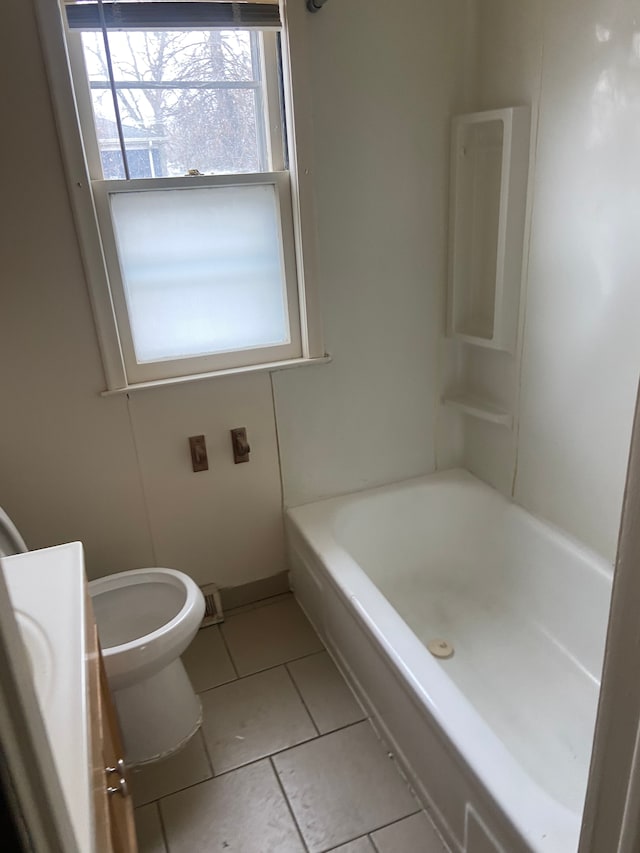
(224, 524)
(115, 473)
(385, 79)
(111, 472)
(578, 62)
(67, 459)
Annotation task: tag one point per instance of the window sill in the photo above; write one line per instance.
(270, 367)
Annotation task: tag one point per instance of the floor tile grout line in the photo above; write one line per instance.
(369, 833)
(282, 663)
(270, 755)
(306, 707)
(289, 806)
(227, 772)
(266, 669)
(206, 752)
(270, 759)
(267, 757)
(157, 803)
(278, 752)
(344, 843)
(419, 810)
(228, 650)
(352, 841)
(177, 791)
(212, 778)
(289, 660)
(250, 606)
(180, 790)
(275, 754)
(163, 830)
(159, 799)
(215, 686)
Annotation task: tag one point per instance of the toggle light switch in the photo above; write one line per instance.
(241, 449)
(198, 447)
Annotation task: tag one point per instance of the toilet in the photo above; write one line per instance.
(146, 619)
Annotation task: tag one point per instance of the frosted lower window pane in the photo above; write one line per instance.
(202, 270)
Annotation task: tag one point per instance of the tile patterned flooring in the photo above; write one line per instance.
(286, 761)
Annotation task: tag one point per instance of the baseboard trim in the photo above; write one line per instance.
(249, 593)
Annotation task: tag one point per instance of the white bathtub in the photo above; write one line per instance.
(497, 739)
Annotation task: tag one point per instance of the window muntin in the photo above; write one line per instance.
(256, 80)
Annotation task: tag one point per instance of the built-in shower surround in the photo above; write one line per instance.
(574, 378)
(571, 379)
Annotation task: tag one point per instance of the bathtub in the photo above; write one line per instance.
(496, 740)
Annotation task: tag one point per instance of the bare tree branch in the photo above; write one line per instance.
(208, 129)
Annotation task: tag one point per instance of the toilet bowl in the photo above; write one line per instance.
(146, 619)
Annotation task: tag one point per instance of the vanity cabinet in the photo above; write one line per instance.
(113, 807)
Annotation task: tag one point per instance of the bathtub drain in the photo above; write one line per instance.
(440, 648)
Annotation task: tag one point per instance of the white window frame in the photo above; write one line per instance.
(174, 367)
(93, 221)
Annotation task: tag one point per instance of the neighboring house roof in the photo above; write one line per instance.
(107, 131)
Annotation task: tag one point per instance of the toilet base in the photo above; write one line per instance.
(158, 715)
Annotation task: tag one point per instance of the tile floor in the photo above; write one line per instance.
(286, 761)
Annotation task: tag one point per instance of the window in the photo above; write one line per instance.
(182, 118)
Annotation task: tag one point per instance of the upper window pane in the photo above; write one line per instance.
(187, 100)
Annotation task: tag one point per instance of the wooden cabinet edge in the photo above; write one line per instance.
(114, 825)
